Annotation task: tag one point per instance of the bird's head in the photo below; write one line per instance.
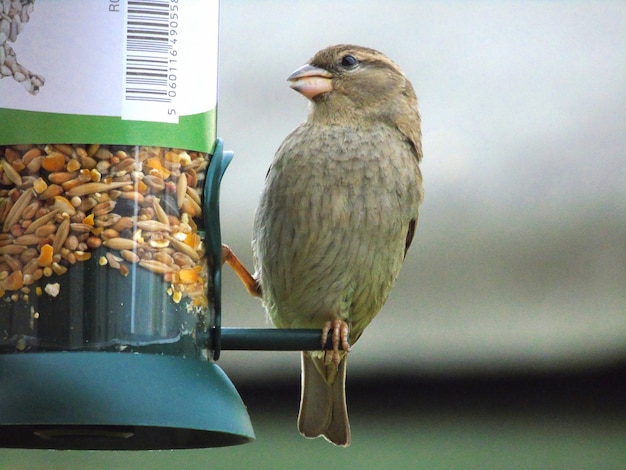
(352, 79)
(354, 84)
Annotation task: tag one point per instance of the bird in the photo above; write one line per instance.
(336, 217)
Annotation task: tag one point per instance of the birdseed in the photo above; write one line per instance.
(59, 202)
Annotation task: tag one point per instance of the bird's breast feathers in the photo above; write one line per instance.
(331, 227)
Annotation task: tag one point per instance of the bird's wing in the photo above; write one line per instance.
(409, 122)
(409, 235)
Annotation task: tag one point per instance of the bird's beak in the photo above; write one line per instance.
(311, 81)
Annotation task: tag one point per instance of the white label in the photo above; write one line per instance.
(148, 60)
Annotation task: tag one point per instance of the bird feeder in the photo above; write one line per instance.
(109, 273)
(110, 248)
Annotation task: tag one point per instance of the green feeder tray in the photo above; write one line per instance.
(117, 401)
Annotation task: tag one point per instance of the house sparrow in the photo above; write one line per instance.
(337, 216)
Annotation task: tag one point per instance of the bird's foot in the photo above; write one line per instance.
(340, 330)
(252, 285)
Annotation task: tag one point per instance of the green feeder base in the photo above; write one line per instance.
(117, 401)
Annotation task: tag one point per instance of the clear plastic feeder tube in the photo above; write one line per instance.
(107, 127)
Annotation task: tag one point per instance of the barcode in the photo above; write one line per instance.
(147, 46)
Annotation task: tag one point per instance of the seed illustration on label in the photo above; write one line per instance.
(13, 17)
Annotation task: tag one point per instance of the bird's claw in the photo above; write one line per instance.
(340, 330)
(252, 285)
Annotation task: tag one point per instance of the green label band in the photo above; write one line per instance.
(195, 132)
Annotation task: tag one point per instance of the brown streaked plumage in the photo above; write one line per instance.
(337, 215)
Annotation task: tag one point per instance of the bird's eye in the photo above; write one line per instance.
(349, 61)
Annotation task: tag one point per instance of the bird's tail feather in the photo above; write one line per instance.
(323, 409)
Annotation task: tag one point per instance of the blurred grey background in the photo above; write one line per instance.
(519, 262)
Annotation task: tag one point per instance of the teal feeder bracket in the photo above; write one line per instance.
(96, 374)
